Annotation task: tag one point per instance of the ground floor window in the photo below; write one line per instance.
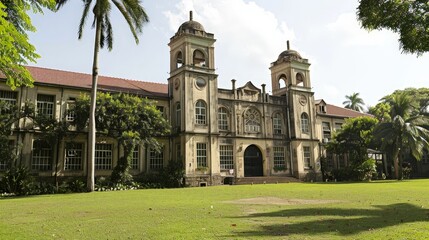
(41, 156)
(307, 157)
(201, 154)
(103, 156)
(135, 158)
(279, 158)
(341, 161)
(226, 157)
(156, 159)
(74, 155)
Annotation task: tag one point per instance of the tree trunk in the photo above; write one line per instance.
(400, 175)
(92, 128)
(395, 162)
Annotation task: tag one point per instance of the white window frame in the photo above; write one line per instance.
(9, 96)
(306, 153)
(223, 119)
(201, 155)
(41, 156)
(305, 123)
(279, 157)
(103, 156)
(200, 112)
(156, 159)
(70, 112)
(226, 155)
(277, 123)
(46, 105)
(73, 156)
(252, 121)
(135, 159)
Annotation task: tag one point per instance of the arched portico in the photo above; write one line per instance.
(253, 166)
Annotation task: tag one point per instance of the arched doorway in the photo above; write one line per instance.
(253, 162)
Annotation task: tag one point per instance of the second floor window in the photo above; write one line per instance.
(200, 112)
(252, 120)
(45, 105)
(277, 124)
(223, 119)
(326, 130)
(304, 123)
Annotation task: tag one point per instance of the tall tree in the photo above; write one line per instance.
(405, 131)
(354, 102)
(135, 16)
(15, 48)
(408, 18)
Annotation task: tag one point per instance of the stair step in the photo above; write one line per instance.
(264, 180)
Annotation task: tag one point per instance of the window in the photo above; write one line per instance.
(299, 80)
(304, 123)
(307, 157)
(282, 81)
(322, 108)
(71, 114)
(200, 112)
(41, 156)
(135, 158)
(74, 153)
(252, 120)
(226, 157)
(201, 154)
(329, 161)
(279, 157)
(9, 97)
(178, 115)
(425, 157)
(103, 156)
(338, 126)
(341, 161)
(199, 59)
(179, 60)
(277, 123)
(223, 119)
(45, 105)
(156, 159)
(326, 131)
(161, 110)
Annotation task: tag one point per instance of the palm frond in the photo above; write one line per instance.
(87, 5)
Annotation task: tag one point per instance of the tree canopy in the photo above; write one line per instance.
(408, 18)
(15, 49)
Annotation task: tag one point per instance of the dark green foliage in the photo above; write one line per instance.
(16, 180)
(408, 18)
(344, 174)
(169, 177)
(366, 170)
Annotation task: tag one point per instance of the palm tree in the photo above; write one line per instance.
(404, 132)
(135, 16)
(354, 102)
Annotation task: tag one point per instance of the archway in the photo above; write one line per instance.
(253, 162)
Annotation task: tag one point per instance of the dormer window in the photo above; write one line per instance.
(322, 108)
(199, 59)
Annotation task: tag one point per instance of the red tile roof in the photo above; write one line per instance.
(333, 110)
(83, 80)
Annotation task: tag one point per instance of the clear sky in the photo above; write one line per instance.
(250, 35)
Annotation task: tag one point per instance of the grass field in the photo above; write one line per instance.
(376, 210)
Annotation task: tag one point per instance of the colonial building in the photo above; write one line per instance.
(217, 133)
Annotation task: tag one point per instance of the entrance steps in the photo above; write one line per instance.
(265, 180)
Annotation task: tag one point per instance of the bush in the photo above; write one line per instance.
(366, 170)
(344, 174)
(169, 177)
(17, 181)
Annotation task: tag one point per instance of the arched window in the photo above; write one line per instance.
(252, 121)
(304, 123)
(178, 115)
(199, 59)
(299, 80)
(282, 81)
(223, 119)
(277, 123)
(179, 60)
(200, 112)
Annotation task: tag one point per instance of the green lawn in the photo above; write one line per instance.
(376, 210)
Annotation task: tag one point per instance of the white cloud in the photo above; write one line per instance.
(248, 36)
(347, 30)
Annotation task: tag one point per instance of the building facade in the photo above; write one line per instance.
(217, 133)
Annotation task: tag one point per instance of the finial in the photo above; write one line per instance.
(190, 16)
(288, 46)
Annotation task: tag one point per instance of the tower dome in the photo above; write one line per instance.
(190, 26)
(289, 54)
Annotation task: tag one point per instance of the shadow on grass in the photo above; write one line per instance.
(336, 220)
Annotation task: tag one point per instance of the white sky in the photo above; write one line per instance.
(250, 35)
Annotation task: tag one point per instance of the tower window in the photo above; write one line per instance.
(304, 123)
(282, 81)
(299, 80)
(179, 60)
(199, 59)
(178, 115)
(200, 112)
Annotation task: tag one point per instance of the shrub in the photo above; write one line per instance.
(16, 180)
(366, 170)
